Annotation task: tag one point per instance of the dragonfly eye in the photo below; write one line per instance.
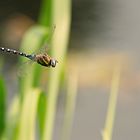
(53, 62)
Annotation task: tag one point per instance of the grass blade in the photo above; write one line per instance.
(107, 132)
(11, 126)
(2, 105)
(61, 17)
(27, 122)
(42, 112)
(70, 105)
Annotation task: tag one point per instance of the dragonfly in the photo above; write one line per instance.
(43, 59)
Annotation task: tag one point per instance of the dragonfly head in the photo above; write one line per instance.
(53, 62)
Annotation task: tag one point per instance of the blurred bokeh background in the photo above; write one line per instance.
(101, 34)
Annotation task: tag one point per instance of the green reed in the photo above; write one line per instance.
(33, 105)
(109, 123)
(2, 105)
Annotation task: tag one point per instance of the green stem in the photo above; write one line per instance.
(61, 17)
(108, 130)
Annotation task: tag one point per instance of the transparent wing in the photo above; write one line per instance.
(46, 43)
(44, 47)
(23, 68)
(51, 33)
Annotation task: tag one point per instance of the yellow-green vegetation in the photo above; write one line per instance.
(33, 109)
(2, 105)
(32, 104)
(108, 129)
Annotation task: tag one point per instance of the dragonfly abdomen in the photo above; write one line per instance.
(17, 52)
(13, 51)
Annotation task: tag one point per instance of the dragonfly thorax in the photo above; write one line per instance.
(45, 60)
(32, 57)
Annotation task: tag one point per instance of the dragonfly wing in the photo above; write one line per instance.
(46, 43)
(23, 68)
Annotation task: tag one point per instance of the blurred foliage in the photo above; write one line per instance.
(2, 105)
(33, 109)
(109, 124)
(32, 103)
